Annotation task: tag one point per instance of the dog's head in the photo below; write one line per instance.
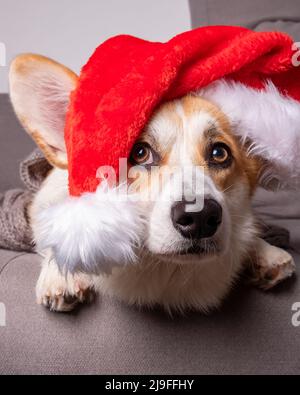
(188, 133)
(190, 138)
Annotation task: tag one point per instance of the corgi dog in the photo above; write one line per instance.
(188, 259)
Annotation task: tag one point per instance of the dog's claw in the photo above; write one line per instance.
(63, 294)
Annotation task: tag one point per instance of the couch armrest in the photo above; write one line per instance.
(260, 15)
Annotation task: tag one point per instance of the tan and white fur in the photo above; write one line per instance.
(180, 132)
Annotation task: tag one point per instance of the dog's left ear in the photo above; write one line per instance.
(268, 122)
(39, 91)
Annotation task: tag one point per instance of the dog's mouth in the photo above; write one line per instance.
(194, 250)
(205, 247)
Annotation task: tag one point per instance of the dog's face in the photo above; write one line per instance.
(188, 133)
(183, 134)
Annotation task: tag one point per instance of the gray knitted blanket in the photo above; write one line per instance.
(15, 231)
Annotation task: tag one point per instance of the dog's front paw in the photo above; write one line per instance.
(272, 266)
(63, 293)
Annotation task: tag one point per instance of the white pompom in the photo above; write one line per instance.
(93, 232)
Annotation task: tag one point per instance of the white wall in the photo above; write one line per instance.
(69, 30)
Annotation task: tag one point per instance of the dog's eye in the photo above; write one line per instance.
(220, 154)
(141, 154)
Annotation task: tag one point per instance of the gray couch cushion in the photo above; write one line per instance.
(251, 334)
(281, 208)
(7, 256)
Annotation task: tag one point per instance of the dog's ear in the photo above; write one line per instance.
(39, 91)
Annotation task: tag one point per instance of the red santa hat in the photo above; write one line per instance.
(249, 75)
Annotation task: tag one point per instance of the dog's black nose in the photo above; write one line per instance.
(200, 224)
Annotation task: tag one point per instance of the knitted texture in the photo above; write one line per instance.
(15, 230)
(34, 169)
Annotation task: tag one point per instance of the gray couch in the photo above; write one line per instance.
(251, 334)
